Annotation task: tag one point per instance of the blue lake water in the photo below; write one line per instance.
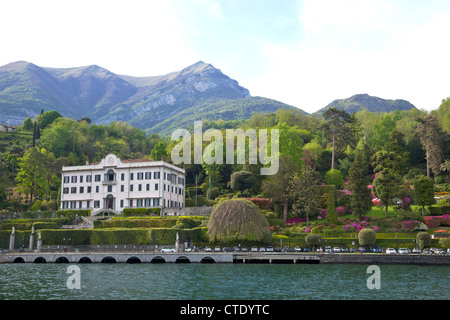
(222, 282)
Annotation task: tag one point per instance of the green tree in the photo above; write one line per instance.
(342, 127)
(396, 144)
(423, 240)
(31, 174)
(290, 143)
(47, 118)
(303, 190)
(381, 131)
(313, 240)
(359, 179)
(385, 187)
(432, 138)
(242, 180)
(277, 186)
(424, 192)
(159, 152)
(27, 124)
(334, 177)
(237, 219)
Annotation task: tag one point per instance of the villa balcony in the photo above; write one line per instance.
(109, 182)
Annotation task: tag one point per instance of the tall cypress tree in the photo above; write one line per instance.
(359, 179)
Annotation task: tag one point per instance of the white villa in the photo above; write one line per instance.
(112, 185)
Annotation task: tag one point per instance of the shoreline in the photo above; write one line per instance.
(214, 257)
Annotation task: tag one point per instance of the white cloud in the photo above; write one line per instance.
(348, 47)
(134, 37)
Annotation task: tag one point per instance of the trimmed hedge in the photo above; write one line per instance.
(438, 210)
(128, 212)
(160, 236)
(134, 223)
(26, 224)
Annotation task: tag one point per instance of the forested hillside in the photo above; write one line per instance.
(400, 145)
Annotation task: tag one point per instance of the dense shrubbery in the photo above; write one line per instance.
(128, 212)
(367, 237)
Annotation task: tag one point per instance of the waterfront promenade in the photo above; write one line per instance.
(222, 257)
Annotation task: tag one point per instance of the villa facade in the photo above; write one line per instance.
(112, 185)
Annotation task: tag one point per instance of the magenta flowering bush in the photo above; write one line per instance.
(307, 230)
(408, 225)
(376, 229)
(437, 221)
(295, 220)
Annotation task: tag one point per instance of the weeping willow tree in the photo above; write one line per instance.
(237, 219)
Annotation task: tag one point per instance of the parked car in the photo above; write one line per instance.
(262, 249)
(416, 250)
(288, 249)
(373, 249)
(362, 249)
(208, 249)
(320, 249)
(337, 250)
(404, 251)
(277, 249)
(391, 251)
(227, 249)
(328, 249)
(167, 249)
(269, 249)
(244, 249)
(298, 249)
(254, 249)
(353, 249)
(439, 251)
(216, 249)
(306, 249)
(236, 249)
(344, 249)
(188, 249)
(427, 251)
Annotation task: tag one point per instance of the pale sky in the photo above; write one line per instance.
(301, 52)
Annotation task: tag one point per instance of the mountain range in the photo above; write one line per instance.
(364, 101)
(156, 103)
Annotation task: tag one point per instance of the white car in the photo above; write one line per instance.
(391, 251)
(167, 249)
(336, 249)
(404, 251)
(254, 249)
(328, 249)
(217, 249)
(269, 249)
(416, 250)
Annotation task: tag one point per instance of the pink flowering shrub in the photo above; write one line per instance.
(437, 221)
(408, 225)
(295, 220)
